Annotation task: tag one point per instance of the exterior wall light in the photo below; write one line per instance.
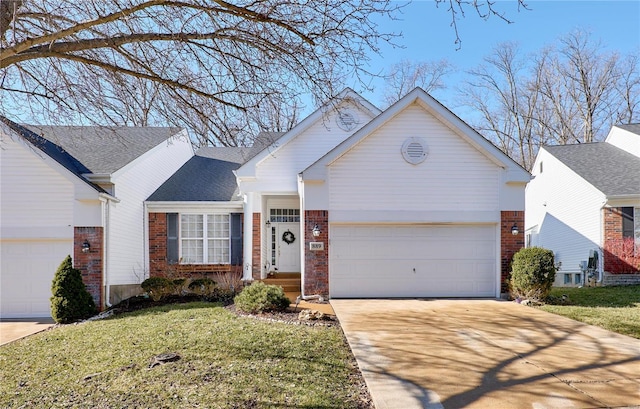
(268, 223)
(514, 229)
(316, 231)
(86, 246)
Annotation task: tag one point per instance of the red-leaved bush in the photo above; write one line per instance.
(621, 256)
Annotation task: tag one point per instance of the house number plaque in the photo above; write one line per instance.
(316, 245)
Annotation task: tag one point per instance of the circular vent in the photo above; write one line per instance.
(346, 119)
(414, 150)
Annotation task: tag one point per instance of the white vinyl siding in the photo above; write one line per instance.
(413, 261)
(198, 243)
(133, 185)
(374, 176)
(567, 229)
(279, 171)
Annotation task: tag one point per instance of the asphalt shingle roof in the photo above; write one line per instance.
(635, 128)
(202, 178)
(104, 150)
(52, 150)
(609, 169)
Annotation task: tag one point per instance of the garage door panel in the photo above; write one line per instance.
(413, 261)
(26, 272)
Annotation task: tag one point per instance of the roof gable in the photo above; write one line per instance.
(515, 172)
(52, 150)
(347, 95)
(608, 168)
(104, 150)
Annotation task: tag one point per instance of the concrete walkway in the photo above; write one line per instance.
(13, 329)
(486, 354)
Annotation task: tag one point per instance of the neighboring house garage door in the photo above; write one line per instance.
(413, 261)
(27, 269)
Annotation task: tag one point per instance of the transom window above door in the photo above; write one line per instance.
(284, 215)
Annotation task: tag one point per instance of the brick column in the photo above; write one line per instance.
(509, 244)
(316, 263)
(90, 263)
(256, 250)
(157, 244)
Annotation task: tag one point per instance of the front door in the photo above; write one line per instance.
(287, 247)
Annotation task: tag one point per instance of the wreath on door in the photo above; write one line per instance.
(288, 237)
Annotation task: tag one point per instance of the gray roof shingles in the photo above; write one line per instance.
(609, 169)
(204, 177)
(208, 176)
(104, 150)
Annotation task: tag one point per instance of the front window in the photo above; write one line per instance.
(200, 245)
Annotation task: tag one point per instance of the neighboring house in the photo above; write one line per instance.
(65, 188)
(409, 202)
(584, 200)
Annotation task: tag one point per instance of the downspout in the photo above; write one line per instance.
(600, 250)
(105, 199)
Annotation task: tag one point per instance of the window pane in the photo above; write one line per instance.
(191, 226)
(218, 250)
(218, 226)
(192, 251)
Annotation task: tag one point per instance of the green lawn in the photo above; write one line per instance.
(614, 308)
(227, 362)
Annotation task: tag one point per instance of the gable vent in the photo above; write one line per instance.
(414, 150)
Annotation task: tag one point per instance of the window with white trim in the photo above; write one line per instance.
(200, 245)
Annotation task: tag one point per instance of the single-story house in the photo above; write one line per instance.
(409, 202)
(584, 204)
(78, 191)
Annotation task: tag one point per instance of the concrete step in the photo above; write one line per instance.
(290, 282)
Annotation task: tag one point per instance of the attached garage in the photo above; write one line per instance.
(368, 261)
(27, 269)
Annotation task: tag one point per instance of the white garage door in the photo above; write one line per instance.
(26, 271)
(412, 261)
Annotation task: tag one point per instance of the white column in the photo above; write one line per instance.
(247, 244)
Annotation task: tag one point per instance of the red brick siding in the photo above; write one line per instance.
(157, 244)
(256, 249)
(509, 244)
(90, 263)
(316, 263)
(158, 266)
(620, 255)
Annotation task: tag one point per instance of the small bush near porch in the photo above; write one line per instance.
(616, 309)
(226, 361)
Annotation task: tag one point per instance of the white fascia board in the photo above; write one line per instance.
(249, 168)
(184, 207)
(181, 135)
(623, 201)
(317, 171)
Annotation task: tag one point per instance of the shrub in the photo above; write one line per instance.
(70, 300)
(202, 286)
(533, 272)
(260, 297)
(158, 287)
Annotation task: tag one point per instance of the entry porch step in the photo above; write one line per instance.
(290, 282)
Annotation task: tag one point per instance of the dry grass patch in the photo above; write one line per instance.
(616, 308)
(226, 362)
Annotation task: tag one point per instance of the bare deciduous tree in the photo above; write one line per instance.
(570, 94)
(406, 75)
(177, 61)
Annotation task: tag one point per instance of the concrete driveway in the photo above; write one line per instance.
(13, 329)
(486, 354)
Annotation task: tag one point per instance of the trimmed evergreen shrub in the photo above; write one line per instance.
(533, 272)
(202, 286)
(70, 300)
(259, 297)
(158, 287)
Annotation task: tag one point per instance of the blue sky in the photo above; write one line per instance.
(427, 35)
